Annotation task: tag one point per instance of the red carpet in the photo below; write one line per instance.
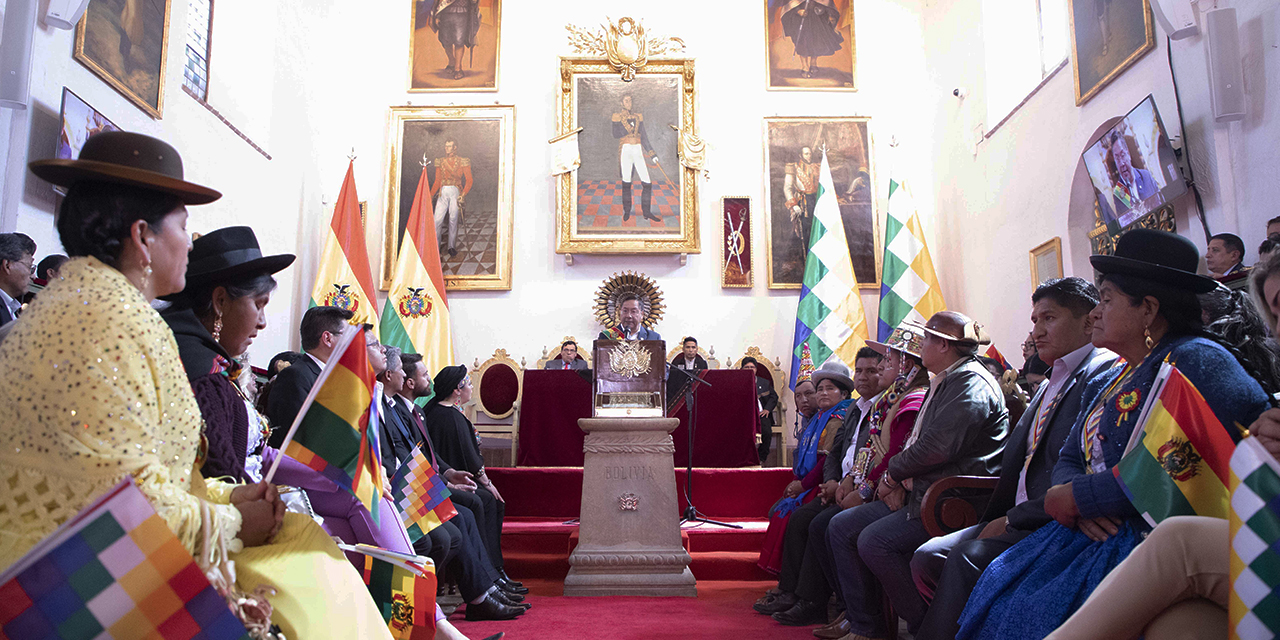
(721, 610)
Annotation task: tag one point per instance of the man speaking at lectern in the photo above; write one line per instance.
(628, 327)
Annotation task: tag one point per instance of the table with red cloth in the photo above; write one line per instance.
(553, 400)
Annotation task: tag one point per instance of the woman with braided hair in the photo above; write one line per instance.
(1232, 318)
(1148, 314)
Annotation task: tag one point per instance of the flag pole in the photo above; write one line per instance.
(348, 336)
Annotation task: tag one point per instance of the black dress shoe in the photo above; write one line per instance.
(511, 587)
(780, 602)
(653, 216)
(510, 600)
(502, 575)
(490, 609)
(804, 613)
(507, 595)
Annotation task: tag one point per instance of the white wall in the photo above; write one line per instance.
(338, 66)
(1013, 193)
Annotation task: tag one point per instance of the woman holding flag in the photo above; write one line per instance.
(1150, 316)
(115, 402)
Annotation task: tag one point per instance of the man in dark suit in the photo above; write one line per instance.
(766, 402)
(688, 359)
(395, 431)
(630, 315)
(17, 255)
(946, 569)
(567, 359)
(321, 327)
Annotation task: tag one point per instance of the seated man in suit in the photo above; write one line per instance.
(689, 360)
(17, 255)
(321, 328)
(766, 401)
(567, 359)
(630, 314)
(947, 568)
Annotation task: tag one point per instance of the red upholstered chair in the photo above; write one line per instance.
(496, 394)
(584, 352)
(773, 372)
(712, 361)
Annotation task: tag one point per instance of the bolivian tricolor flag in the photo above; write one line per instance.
(344, 278)
(406, 598)
(416, 316)
(1182, 464)
(331, 433)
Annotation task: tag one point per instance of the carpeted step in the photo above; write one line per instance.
(727, 565)
(708, 537)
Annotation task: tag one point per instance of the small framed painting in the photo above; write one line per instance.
(735, 250)
(1046, 261)
(1107, 36)
(454, 45)
(124, 42)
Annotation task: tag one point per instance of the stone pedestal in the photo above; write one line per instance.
(629, 537)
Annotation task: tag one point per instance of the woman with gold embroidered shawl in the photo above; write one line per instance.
(94, 390)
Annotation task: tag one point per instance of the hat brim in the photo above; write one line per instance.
(1194, 282)
(266, 265)
(838, 379)
(65, 173)
(938, 334)
(884, 349)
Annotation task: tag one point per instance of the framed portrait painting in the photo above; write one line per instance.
(1046, 261)
(1107, 36)
(809, 45)
(629, 194)
(124, 42)
(793, 154)
(735, 246)
(463, 158)
(453, 45)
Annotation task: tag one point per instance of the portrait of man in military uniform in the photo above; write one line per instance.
(454, 45)
(629, 179)
(810, 44)
(449, 190)
(794, 151)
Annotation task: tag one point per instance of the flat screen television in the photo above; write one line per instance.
(79, 121)
(1133, 169)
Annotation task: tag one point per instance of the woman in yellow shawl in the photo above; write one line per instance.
(92, 389)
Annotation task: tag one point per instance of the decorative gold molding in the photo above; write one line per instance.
(623, 43)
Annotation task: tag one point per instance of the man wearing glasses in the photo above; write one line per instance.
(17, 260)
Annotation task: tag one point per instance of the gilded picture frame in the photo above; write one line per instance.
(1046, 261)
(483, 140)
(827, 25)
(848, 142)
(431, 70)
(1104, 45)
(108, 28)
(591, 217)
(736, 243)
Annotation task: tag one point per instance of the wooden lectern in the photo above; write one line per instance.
(629, 379)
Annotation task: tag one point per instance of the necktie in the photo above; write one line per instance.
(566, 365)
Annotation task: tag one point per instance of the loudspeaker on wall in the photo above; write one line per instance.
(64, 14)
(15, 53)
(1226, 67)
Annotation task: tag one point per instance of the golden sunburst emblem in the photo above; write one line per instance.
(606, 307)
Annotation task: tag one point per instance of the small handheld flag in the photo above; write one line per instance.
(1253, 608)
(404, 589)
(115, 570)
(332, 433)
(421, 495)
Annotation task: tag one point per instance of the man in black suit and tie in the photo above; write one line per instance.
(947, 568)
(766, 401)
(567, 359)
(17, 255)
(321, 328)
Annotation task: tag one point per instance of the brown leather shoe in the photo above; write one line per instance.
(834, 630)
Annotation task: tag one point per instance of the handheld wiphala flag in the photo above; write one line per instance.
(332, 433)
(115, 570)
(422, 496)
(1253, 608)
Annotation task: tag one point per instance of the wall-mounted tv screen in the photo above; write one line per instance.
(1132, 167)
(79, 121)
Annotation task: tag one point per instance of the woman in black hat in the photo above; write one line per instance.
(215, 318)
(1149, 315)
(95, 392)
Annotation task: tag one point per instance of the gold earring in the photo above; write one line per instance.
(1150, 343)
(146, 276)
(217, 327)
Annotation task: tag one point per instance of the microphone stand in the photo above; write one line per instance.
(691, 513)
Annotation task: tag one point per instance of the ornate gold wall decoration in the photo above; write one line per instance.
(606, 307)
(623, 43)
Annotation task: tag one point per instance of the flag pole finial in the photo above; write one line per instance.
(424, 162)
(352, 156)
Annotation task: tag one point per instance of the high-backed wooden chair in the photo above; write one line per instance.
(497, 388)
(772, 371)
(710, 357)
(584, 352)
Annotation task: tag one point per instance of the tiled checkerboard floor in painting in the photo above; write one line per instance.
(477, 245)
(600, 206)
(124, 583)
